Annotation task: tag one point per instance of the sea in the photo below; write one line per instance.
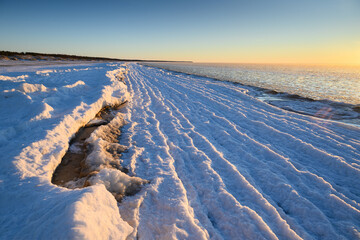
(328, 92)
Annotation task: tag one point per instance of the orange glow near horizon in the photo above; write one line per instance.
(325, 55)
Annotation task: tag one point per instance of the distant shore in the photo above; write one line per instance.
(33, 56)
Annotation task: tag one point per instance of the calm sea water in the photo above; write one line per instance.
(336, 90)
(340, 84)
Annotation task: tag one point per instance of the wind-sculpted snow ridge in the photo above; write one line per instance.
(224, 165)
(38, 118)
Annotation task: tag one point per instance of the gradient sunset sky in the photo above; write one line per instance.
(246, 31)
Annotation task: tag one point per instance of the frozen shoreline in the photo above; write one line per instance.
(222, 164)
(291, 101)
(241, 168)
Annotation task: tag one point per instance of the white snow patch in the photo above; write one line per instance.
(73, 88)
(20, 78)
(45, 72)
(117, 182)
(78, 83)
(44, 114)
(96, 216)
(30, 88)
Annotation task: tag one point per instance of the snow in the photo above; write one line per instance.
(45, 72)
(20, 78)
(38, 118)
(46, 113)
(74, 85)
(224, 165)
(206, 160)
(116, 181)
(100, 141)
(30, 88)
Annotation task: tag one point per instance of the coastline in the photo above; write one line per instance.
(219, 161)
(320, 108)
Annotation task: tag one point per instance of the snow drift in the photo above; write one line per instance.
(30, 204)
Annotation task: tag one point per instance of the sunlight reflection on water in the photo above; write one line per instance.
(340, 84)
(336, 89)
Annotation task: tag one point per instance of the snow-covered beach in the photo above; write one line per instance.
(220, 163)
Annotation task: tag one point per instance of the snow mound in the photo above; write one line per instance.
(73, 88)
(14, 79)
(81, 69)
(30, 88)
(78, 83)
(44, 114)
(45, 72)
(96, 216)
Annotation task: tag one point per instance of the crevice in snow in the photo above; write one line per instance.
(94, 157)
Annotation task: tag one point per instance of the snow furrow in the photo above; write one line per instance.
(341, 168)
(224, 165)
(226, 171)
(209, 148)
(232, 174)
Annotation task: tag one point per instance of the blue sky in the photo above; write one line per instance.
(207, 31)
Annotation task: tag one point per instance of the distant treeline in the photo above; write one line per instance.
(26, 55)
(8, 55)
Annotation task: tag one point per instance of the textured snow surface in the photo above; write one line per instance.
(221, 164)
(224, 165)
(38, 116)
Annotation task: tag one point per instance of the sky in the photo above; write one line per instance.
(243, 31)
